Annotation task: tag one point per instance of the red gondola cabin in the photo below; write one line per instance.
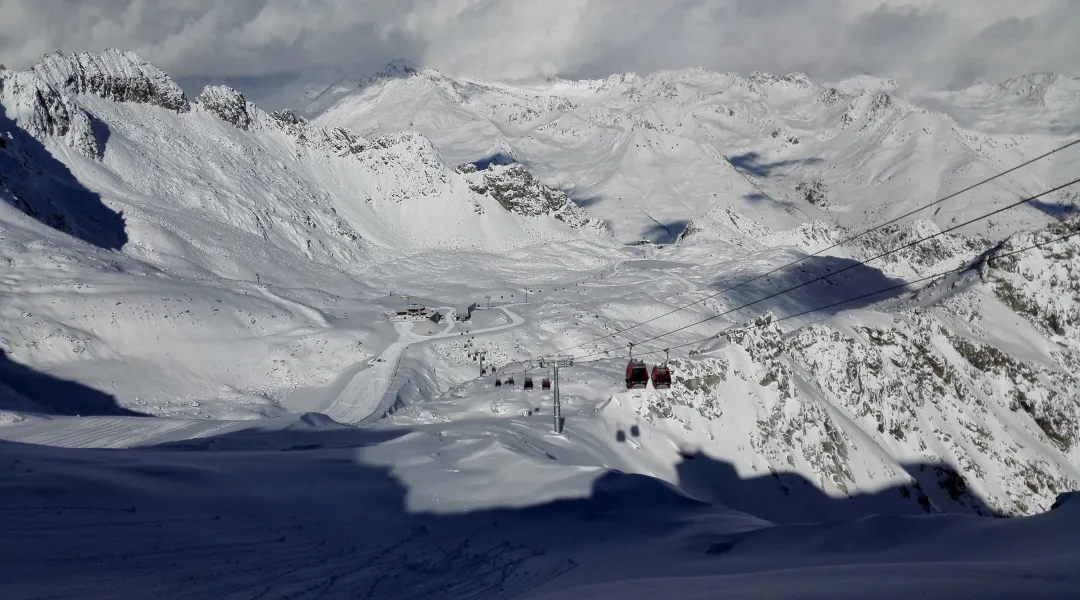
(661, 377)
(545, 384)
(637, 374)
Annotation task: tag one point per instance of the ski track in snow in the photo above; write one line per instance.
(310, 560)
(356, 404)
(361, 398)
(365, 391)
(95, 432)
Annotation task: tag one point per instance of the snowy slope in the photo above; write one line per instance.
(202, 372)
(320, 194)
(651, 153)
(243, 220)
(239, 516)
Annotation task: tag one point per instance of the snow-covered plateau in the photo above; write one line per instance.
(211, 385)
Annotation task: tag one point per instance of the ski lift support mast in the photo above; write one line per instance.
(556, 362)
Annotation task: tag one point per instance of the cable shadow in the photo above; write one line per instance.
(44, 188)
(23, 389)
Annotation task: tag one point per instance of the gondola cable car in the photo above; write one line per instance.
(661, 374)
(637, 373)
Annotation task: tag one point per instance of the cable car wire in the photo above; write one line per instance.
(823, 250)
(851, 266)
(985, 258)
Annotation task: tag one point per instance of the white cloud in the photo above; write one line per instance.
(927, 42)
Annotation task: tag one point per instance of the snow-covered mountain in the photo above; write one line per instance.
(322, 194)
(976, 371)
(191, 272)
(107, 151)
(651, 153)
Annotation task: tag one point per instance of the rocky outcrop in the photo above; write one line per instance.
(336, 140)
(519, 192)
(113, 75)
(814, 192)
(228, 104)
(981, 421)
(43, 111)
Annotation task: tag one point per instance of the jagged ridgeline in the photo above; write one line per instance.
(320, 193)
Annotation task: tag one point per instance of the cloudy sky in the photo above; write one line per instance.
(946, 43)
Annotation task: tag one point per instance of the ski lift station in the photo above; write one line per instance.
(412, 311)
(465, 313)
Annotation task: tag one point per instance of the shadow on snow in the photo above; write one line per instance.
(1058, 210)
(274, 514)
(665, 233)
(498, 159)
(856, 281)
(23, 389)
(44, 188)
(752, 164)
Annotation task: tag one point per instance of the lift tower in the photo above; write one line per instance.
(556, 362)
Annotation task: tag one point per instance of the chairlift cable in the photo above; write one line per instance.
(985, 258)
(854, 265)
(835, 245)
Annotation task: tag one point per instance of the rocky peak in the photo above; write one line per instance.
(400, 69)
(521, 193)
(336, 140)
(43, 111)
(1031, 87)
(226, 103)
(114, 75)
(799, 80)
(400, 66)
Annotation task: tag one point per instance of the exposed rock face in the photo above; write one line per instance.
(114, 75)
(941, 252)
(43, 111)
(519, 192)
(337, 140)
(226, 103)
(814, 192)
(973, 418)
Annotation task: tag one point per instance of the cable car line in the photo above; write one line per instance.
(727, 333)
(819, 252)
(851, 266)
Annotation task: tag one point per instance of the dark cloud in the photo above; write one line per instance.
(920, 42)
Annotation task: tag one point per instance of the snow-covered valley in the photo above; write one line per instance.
(203, 368)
